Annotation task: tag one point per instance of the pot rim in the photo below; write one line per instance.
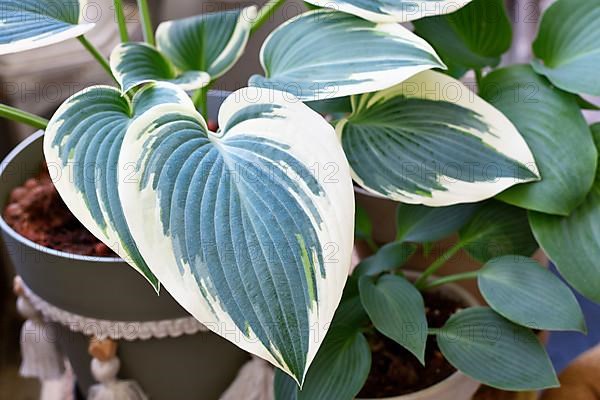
(22, 239)
(457, 375)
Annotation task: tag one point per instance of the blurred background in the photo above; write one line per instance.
(39, 81)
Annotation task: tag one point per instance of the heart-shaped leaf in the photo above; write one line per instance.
(421, 224)
(431, 141)
(568, 46)
(134, 64)
(521, 290)
(326, 54)
(29, 24)
(551, 122)
(572, 242)
(83, 142)
(392, 10)
(397, 310)
(472, 38)
(490, 349)
(191, 52)
(497, 229)
(236, 224)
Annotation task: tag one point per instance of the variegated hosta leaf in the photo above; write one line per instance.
(431, 141)
(134, 64)
(83, 140)
(326, 54)
(238, 226)
(29, 24)
(392, 10)
(190, 52)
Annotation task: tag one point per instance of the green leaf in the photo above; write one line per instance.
(498, 229)
(392, 10)
(584, 104)
(191, 52)
(351, 314)
(473, 37)
(83, 139)
(555, 130)
(339, 105)
(30, 24)
(432, 141)
(391, 256)
(134, 64)
(325, 54)
(521, 290)
(237, 225)
(568, 46)
(397, 310)
(422, 224)
(339, 371)
(490, 349)
(572, 242)
(284, 387)
(363, 227)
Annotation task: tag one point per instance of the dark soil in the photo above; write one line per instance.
(36, 211)
(395, 371)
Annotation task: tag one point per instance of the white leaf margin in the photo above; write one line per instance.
(504, 137)
(336, 209)
(412, 11)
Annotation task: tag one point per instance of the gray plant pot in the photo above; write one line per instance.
(199, 366)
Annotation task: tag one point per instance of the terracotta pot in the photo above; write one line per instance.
(188, 367)
(457, 386)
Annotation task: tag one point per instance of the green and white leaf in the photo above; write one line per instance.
(421, 224)
(237, 226)
(431, 141)
(392, 10)
(552, 124)
(134, 64)
(397, 310)
(210, 42)
(568, 46)
(30, 24)
(472, 38)
(498, 229)
(325, 54)
(524, 292)
(190, 52)
(83, 140)
(492, 350)
(572, 242)
(339, 371)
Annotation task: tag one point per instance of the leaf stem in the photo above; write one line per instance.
(451, 278)
(121, 21)
(478, 77)
(437, 264)
(146, 22)
(265, 13)
(200, 99)
(14, 114)
(96, 54)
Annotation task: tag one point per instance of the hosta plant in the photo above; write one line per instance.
(250, 227)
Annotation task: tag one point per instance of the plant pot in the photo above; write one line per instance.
(201, 365)
(457, 386)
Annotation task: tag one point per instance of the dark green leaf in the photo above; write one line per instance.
(350, 314)
(473, 37)
(423, 224)
(572, 242)
(490, 349)
(556, 132)
(586, 105)
(363, 226)
(498, 229)
(339, 370)
(391, 256)
(568, 46)
(397, 310)
(528, 294)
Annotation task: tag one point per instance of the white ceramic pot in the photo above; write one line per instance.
(457, 386)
